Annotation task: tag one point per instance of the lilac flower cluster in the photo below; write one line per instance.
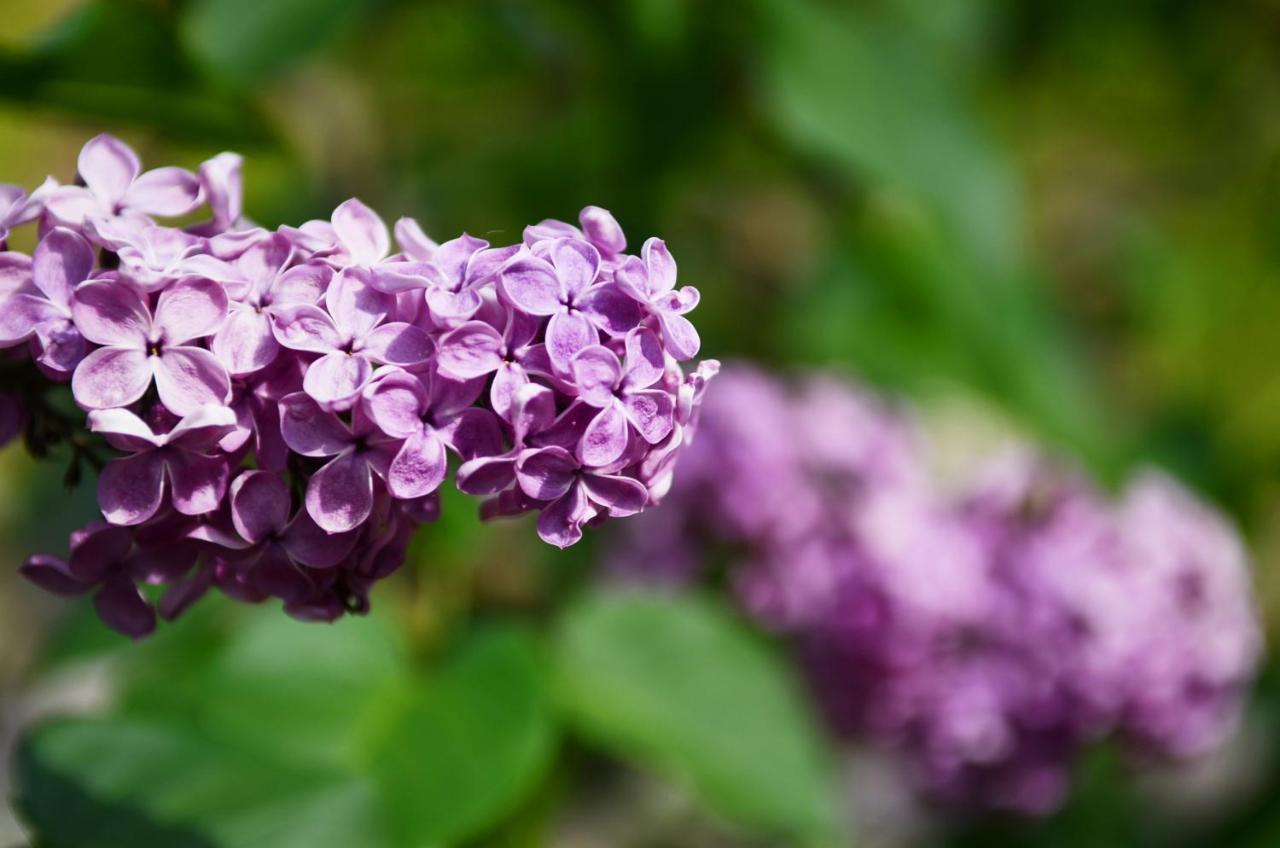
(280, 407)
(986, 636)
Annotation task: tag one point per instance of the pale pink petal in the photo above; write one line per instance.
(622, 496)
(413, 241)
(190, 309)
(577, 264)
(605, 439)
(123, 430)
(336, 378)
(110, 312)
(309, 430)
(111, 376)
(361, 232)
(108, 166)
(62, 261)
(652, 413)
(188, 378)
(597, 373)
(680, 335)
(419, 468)
(396, 402)
(168, 192)
(680, 301)
(611, 309)
(547, 473)
(660, 266)
(21, 315)
(224, 187)
(567, 333)
(453, 306)
(645, 362)
(130, 490)
(471, 350)
(245, 343)
(399, 344)
(72, 205)
(301, 284)
(356, 306)
(202, 429)
(532, 285)
(340, 495)
(602, 229)
(560, 523)
(305, 327)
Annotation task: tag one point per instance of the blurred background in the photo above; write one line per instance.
(1057, 220)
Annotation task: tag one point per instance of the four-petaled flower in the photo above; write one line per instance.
(622, 396)
(115, 185)
(62, 261)
(651, 281)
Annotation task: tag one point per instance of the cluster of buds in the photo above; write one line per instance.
(985, 633)
(273, 413)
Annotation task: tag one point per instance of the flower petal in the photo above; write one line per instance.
(645, 361)
(453, 306)
(61, 347)
(21, 315)
(680, 335)
(471, 350)
(197, 482)
(98, 548)
(168, 192)
(111, 312)
(245, 343)
(472, 433)
(602, 229)
(577, 264)
(53, 575)
(301, 284)
(188, 378)
(221, 180)
(361, 232)
(547, 473)
(396, 402)
(123, 430)
(340, 495)
(309, 430)
(419, 468)
(605, 439)
(399, 344)
(532, 285)
(314, 547)
(452, 257)
(130, 490)
(336, 378)
(611, 309)
(111, 376)
(108, 166)
(652, 413)
(597, 373)
(413, 241)
(260, 505)
(202, 429)
(356, 306)
(622, 496)
(304, 326)
(567, 333)
(660, 266)
(190, 309)
(62, 261)
(560, 523)
(487, 475)
(124, 609)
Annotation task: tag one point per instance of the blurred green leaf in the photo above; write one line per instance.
(291, 734)
(680, 685)
(471, 743)
(245, 41)
(116, 783)
(120, 60)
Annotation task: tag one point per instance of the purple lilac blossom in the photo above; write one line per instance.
(274, 413)
(986, 637)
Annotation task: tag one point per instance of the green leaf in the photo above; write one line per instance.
(114, 782)
(245, 41)
(680, 685)
(120, 60)
(471, 743)
(290, 734)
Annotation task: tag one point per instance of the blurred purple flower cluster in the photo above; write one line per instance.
(281, 406)
(986, 636)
